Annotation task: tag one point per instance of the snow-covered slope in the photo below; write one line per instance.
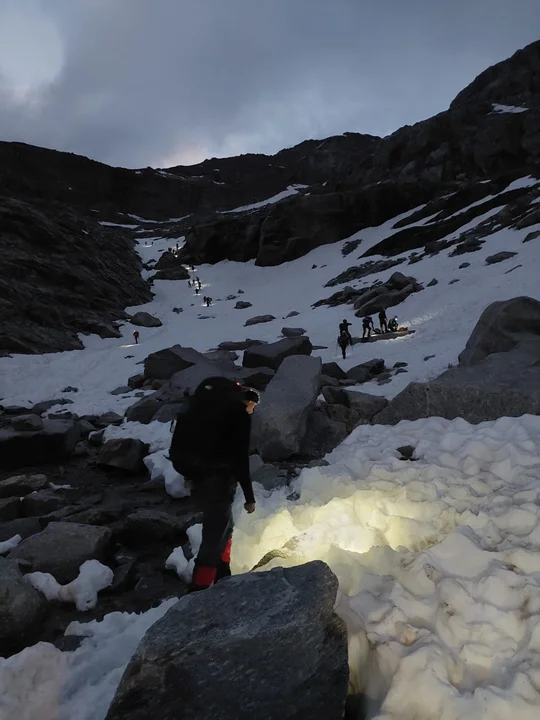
(437, 559)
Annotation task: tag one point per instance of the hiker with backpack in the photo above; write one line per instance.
(393, 324)
(344, 326)
(136, 337)
(344, 340)
(210, 448)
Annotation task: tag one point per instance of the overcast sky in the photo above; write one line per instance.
(163, 82)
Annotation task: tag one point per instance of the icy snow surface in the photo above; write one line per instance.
(438, 560)
(497, 108)
(8, 545)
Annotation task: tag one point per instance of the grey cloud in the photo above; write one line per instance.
(150, 83)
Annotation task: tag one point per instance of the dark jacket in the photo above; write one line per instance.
(211, 440)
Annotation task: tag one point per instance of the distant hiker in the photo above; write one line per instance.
(208, 301)
(344, 328)
(177, 246)
(189, 283)
(367, 327)
(192, 268)
(136, 337)
(197, 290)
(344, 339)
(383, 321)
(210, 448)
(393, 324)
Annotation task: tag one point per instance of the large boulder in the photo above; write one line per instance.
(19, 485)
(501, 327)
(258, 319)
(366, 406)
(280, 422)
(53, 443)
(21, 606)
(163, 364)
(124, 453)
(144, 319)
(323, 434)
(366, 370)
(272, 354)
(264, 644)
(62, 548)
(290, 332)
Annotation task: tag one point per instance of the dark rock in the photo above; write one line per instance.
(333, 370)
(42, 502)
(10, 509)
(74, 281)
(25, 527)
(499, 257)
(400, 365)
(144, 319)
(242, 305)
(428, 357)
(292, 332)
(272, 354)
(143, 410)
(239, 344)
(63, 415)
(108, 418)
(270, 477)
(455, 280)
(27, 423)
(464, 265)
(222, 356)
(85, 428)
(293, 313)
(335, 395)
(168, 412)
(531, 236)
(163, 364)
(400, 371)
(55, 442)
(258, 319)
(257, 378)
(69, 388)
(124, 453)
(96, 438)
(42, 407)
(502, 327)
(406, 452)
(323, 434)
(280, 422)
(432, 283)
(21, 606)
(62, 548)
(177, 310)
(512, 269)
(366, 406)
(366, 371)
(147, 525)
(122, 390)
(299, 671)
(136, 381)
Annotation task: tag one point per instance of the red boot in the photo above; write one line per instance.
(203, 578)
(224, 567)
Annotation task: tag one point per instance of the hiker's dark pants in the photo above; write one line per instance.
(367, 332)
(343, 349)
(384, 326)
(214, 496)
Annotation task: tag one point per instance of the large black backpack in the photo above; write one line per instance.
(199, 426)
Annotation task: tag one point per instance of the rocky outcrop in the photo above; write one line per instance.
(144, 319)
(280, 423)
(54, 442)
(62, 274)
(271, 355)
(498, 373)
(62, 548)
(124, 453)
(264, 644)
(21, 607)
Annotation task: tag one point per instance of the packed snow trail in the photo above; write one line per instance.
(438, 562)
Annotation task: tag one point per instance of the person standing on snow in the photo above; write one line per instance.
(367, 327)
(393, 324)
(383, 321)
(344, 328)
(210, 448)
(343, 341)
(136, 337)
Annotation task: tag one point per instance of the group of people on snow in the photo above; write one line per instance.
(345, 338)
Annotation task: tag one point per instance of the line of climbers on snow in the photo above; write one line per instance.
(386, 326)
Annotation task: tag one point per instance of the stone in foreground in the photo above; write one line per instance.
(261, 645)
